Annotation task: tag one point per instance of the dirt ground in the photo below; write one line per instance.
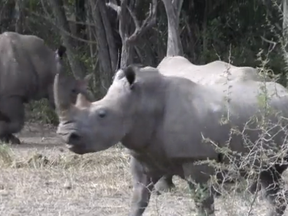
(40, 177)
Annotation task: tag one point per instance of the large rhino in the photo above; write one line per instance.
(27, 71)
(162, 121)
(216, 72)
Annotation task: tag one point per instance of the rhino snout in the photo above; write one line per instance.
(70, 137)
(73, 138)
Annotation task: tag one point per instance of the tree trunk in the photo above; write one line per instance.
(109, 36)
(19, 16)
(285, 33)
(107, 52)
(285, 20)
(59, 13)
(174, 46)
(80, 18)
(126, 51)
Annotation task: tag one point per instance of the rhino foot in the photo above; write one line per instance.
(164, 185)
(11, 139)
(254, 187)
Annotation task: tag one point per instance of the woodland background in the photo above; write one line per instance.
(99, 40)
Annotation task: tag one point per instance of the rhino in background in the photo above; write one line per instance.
(27, 71)
(208, 74)
(162, 121)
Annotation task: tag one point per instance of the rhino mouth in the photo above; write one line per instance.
(76, 149)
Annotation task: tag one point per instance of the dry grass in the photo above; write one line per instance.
(39, 177)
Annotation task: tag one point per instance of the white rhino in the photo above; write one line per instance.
(216, 72)
(27, 71)
(162, 121)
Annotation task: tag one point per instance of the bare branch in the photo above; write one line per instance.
(122, 18)
(136, 21)
(114, 6)
(50, 20)
(177, 4)
(146, 24)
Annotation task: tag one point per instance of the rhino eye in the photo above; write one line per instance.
(101, 113)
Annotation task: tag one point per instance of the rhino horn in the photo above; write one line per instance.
(82, 101)
(61, 96)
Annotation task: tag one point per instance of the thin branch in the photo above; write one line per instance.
(136, 21)
(147, 23)
(270, 42)
(49, 19)
(114, 7)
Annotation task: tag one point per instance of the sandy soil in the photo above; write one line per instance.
(40, 177)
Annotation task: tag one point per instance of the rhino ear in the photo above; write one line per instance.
(61, 51)
(130, 75)
(83, 83)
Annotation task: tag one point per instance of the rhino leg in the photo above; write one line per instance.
(254, 187)
(142, 188)
(10, 139)
(165, 184)
(11, 119)
(198, 177)
(271, 182)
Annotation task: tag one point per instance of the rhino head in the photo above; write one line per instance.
(119, 116)
(72, 84)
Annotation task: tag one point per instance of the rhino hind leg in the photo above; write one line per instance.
(271, 183)
(11, 119)
(165, 184)
(198, 177)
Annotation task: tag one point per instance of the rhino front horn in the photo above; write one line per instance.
(61, 95)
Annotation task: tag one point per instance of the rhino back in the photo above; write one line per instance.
(216, 72)
(27, 66)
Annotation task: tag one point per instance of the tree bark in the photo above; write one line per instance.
(19, 16)
(80, 18)
(59, 13)
(174, 46)
(285, 19)
(112, 48)
(107, 52)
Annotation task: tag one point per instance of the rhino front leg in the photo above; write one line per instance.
(10, 138)
(165, 184)
(11, 119)
(142, 188)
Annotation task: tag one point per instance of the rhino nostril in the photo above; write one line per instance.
(73, 138)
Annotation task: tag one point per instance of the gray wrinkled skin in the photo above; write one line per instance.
(216, 72)
(27, 71)
(162, 119)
